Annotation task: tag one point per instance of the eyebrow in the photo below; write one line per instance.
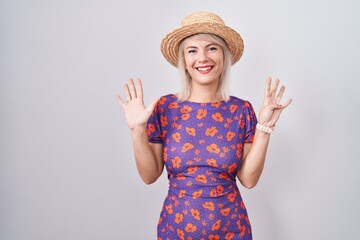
(208, 45)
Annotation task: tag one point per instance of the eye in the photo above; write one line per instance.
(192, 51)
(213, 49)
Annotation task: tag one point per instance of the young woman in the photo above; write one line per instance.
(203, 136)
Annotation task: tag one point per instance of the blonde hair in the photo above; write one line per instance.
(185, 78)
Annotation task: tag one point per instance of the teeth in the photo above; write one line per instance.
(204, 68)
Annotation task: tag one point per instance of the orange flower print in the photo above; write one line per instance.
(165, 155)
(212, 162)
(224, 176)
(151, 127)
(191, 131)
(182, 193)
(216, 225)
(208, 205)
(195, 213)
(186, 147)
(229, 235)
(242, 124)
(190, 228)
(225, 211)
(173, 105)
(178, 218)
(197, 194)
(216, 104)
(185, 109)
(211, 131)
(247, 220)
(201, 113)
(231, 197)
(201, 178)
(176, 136)
(230, 135)
(179, 176)
(217, 191)
(214, 237)
(233, 108)
(217, 117)
(169, 208)
(232, 168)
(242, 205)
(213, 148)
(163, 120)
(185, 116)
(176, 162)
(180, 234)
(243, 229)
(192, 170)
(162, 100)
(213, 192)
(239, 150)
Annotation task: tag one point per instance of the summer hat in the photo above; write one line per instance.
(201, 22)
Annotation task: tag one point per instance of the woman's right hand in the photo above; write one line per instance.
(136, 113)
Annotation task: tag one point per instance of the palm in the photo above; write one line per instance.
(136, 113)
(271, 109)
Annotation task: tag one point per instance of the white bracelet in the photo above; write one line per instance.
(264, 128)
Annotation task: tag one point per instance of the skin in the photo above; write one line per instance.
(208, 56)
(203, 54)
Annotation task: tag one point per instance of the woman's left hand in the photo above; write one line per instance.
(271, 107)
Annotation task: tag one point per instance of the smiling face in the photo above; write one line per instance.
(204, 61)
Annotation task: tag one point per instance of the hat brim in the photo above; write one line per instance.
(170, 44)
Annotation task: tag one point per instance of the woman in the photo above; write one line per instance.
(203, 136)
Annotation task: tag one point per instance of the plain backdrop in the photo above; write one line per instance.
(67, 170)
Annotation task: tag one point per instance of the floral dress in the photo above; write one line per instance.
(203, 145)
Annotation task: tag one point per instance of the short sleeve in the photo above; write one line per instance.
(250, 122)
(153, 127)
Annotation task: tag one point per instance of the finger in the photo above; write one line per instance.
(152, 105)
(287, 103)
(120, 101)
(139, 88)
(132, 88)
(267, 87)
(127, 92)
(280, 94)
(282, 106)
(274, 89)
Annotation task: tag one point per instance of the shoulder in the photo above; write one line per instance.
(167, 101)
(239, 102)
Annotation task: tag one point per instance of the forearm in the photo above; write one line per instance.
(254, 161)
(149, 167)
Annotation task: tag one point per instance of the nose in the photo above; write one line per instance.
(202, 57)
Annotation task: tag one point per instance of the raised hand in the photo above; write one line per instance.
(136, 113)
(271, 107)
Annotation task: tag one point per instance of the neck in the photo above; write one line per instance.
(204, 94)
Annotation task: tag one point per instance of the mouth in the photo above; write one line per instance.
(204, 70)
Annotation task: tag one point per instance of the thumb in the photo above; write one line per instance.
(152, 105)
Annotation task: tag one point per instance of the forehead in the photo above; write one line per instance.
(197, 40)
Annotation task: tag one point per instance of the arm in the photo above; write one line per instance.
(148, 156)
(254, 154)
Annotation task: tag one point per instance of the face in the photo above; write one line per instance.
(204, 61)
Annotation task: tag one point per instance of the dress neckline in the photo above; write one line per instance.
(201, 103)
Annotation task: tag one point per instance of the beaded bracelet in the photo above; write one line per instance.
(264, 128)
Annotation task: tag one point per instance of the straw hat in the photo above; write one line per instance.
(201, 22)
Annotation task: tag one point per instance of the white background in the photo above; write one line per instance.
(67, 170)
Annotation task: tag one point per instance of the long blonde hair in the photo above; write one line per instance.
(185, 78)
